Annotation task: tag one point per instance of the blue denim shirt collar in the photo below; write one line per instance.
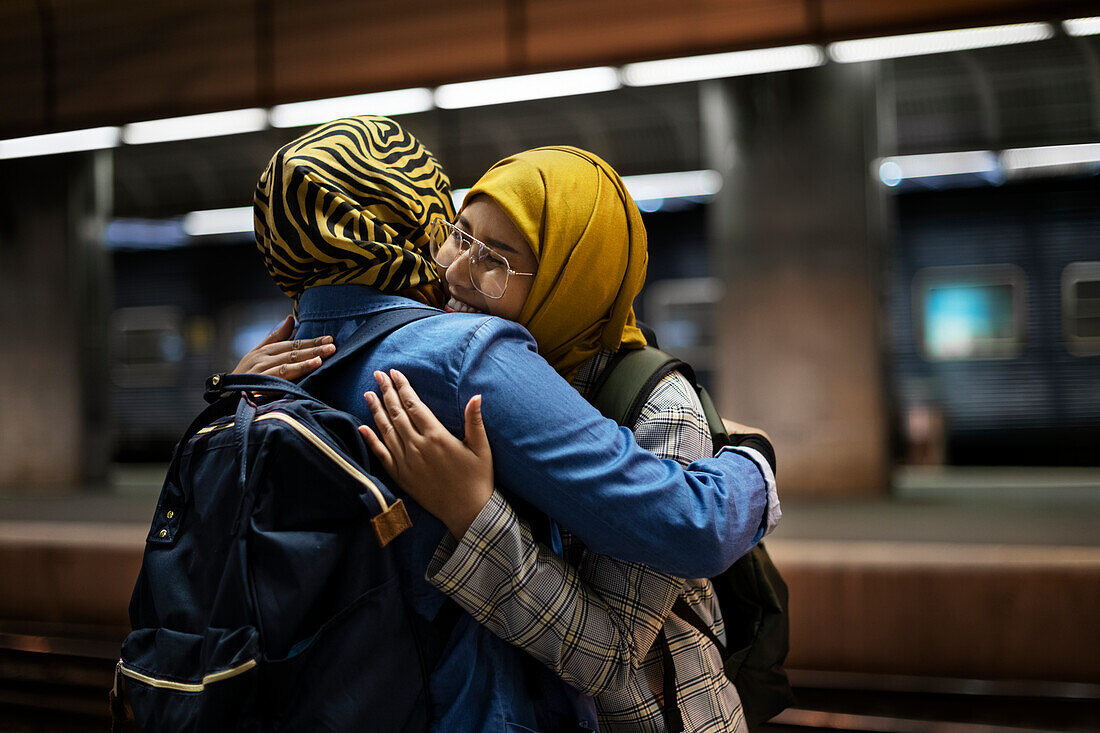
(323, 302)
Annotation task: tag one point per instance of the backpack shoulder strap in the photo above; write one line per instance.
(629, 379)
(376, 328)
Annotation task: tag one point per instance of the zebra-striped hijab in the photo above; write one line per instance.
(351, 201)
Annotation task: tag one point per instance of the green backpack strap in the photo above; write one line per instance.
(629, 379)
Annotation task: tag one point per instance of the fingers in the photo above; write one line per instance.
(398, 413)
(299, 369)
(420, 415)
(286, 347)
(378, 448)
(294, 364)
(384, 425)
(476, 438)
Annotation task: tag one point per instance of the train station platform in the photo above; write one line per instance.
(917, 586)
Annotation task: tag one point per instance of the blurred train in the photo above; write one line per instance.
(994, 299)
(993, 308)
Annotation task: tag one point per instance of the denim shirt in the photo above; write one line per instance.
(552, 452)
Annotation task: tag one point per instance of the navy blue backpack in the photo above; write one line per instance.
(268, 597)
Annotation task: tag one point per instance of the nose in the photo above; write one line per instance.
(458, 272)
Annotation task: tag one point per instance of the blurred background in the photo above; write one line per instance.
(874, 230)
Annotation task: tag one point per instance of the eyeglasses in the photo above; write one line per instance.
(489, 269)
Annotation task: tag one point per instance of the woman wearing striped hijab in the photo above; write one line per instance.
(351, 201)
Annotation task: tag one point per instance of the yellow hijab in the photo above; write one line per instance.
(587, 235)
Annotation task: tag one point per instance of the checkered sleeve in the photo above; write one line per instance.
(594, 636)
(672, 423)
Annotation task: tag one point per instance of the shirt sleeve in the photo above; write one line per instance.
(555, 451)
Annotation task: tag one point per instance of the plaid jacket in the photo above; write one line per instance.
(591, 618)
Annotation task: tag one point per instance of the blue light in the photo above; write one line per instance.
(967, 320)
(890, 173)
(143, 234)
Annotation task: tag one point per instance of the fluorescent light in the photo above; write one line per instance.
(388, 104)
(894, 170)
(869, 49)
(530, 86)
(685, 184)
(1082, 26)
(719, 65)
(96, 138)
(1051, 155)
(218, 221)
(214, 124)
(649, 191)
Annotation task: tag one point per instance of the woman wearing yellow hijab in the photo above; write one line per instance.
(586, 235)
(550, 238)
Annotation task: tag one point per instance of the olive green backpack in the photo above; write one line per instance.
(751, 593)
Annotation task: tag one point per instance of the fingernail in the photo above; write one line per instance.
(326, 339)
(394, 374)
(379, 377)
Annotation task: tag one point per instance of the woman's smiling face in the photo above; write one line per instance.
(484, 220)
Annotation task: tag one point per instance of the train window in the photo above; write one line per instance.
(975, 312)
(1081, 307)
(147, 346)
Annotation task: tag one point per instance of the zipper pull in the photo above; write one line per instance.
(114, 697)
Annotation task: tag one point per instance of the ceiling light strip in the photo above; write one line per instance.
(1050, 156)
(509, 89)
(317, 111)
(73, 141)
(219, 221)
(1079, 27)
(654, 186)
(214, 124)
(918, 44)
(895, 169)
(721, 65)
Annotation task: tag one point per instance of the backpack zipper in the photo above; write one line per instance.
(186, 686)
(325, 448)
(321, 445)
(388, 523)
